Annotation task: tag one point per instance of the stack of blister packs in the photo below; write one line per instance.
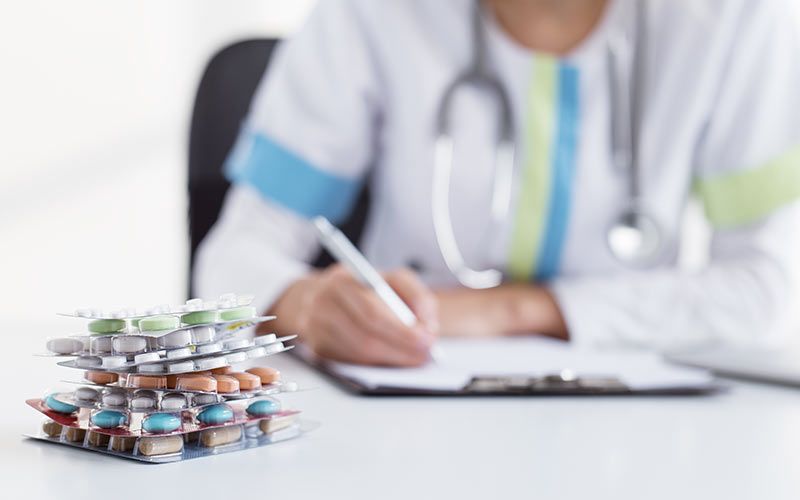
(160, 386)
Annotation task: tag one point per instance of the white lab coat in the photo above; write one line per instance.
(353, 96)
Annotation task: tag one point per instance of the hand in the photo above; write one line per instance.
(503, 310)
(341, 319)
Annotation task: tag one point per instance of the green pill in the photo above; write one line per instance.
(107, 325)
(246, 312)
(199, 317)
(158, 323)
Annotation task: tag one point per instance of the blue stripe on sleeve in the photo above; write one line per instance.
(563, 172)
(289, 180)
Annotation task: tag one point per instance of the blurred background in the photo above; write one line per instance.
(94, 116)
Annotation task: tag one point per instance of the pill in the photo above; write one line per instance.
(109, 419)
(106, 325)
(88, 361)
(178, 338)
(116, 397)
(75, 434)
(150, 368)
(263, 407)
(236, 357)
(194, 304)
(220, 436)
(150, 446)
(215, 414)
(101, 378)
(113, 361)
(119, 443)
(265, 339)
(210, 363)
(52, 429)
(172, 381)
(161, 422)
(59, 406)
(183, 366)
(65, 345)
(147, 381)
(226, 384)
(146, 357)
(203, 383)
(199, 317)
(222, 370)
(208, 348)
(100, 345)
(274, 348)
(237, 313)
(237, 343)
(158, 323)
(143, 399)
(266, 374)
(87, 394)
(173, 401)
(204, 399)
(98, 438)
(203, 334)
(276, 423)
(247, 381)
(129, 344)
(256, 352)
(183, 352)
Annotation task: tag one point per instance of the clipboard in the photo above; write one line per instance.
(581, 372)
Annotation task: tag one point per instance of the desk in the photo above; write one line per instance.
(742, 444)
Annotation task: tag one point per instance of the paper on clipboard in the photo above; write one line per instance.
(461, 359)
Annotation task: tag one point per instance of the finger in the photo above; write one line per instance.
(417, 295)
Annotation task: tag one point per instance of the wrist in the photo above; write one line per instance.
(290, 307)
(531, 309)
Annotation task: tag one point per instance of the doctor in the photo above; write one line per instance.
(531, 160)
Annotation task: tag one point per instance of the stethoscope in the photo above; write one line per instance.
(634, 237)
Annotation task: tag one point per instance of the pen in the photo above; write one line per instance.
(346, 253)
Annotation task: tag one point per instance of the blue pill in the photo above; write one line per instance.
(161, 422)
(263, 407)
(59, 407)
(108, 419)
(216, 414)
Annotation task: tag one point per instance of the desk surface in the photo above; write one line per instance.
(741, 444)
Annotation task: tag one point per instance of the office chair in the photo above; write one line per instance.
(221, 104)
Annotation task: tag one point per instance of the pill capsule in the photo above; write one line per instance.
(203, 334)
(276, 423)
(143, 399)
(265, 339)
(215, 414)
(208, 348)
(220, 435)
(195, 382)
(180, 367)
(101, 378)
(257, 352)
(100, 345)
(263, 407)
(113, 361)
(106, 325)
(178, 338)
(161, 422)
(235, 357)
(173, 401)
(150, 368)
(88, 361)
(199, 317)
(237, 343)
(65, 345)
(147, 381)
(146, 357)
(98, 439)
(115, 398)
(75, 434)
(129, 344)
(211, 363)
(150, 446)
(158, 323)
(52, 429)
(119, 443)
(247, 381)
(237, 313)
(204, 399)
(183, 352)
(266, 374)
(87, 394)
(59, 406)
(222, 370)
(226, 384)
(109, 419)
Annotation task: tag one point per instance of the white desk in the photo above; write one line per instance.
(743, 444)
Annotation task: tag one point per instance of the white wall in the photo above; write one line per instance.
(95, 103)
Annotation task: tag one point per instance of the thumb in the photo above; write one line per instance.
(418, 296)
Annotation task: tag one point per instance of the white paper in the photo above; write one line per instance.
(458, 360)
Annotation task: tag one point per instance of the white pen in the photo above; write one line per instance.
(345, 252)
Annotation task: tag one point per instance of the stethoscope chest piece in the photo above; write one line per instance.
(634, 238)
